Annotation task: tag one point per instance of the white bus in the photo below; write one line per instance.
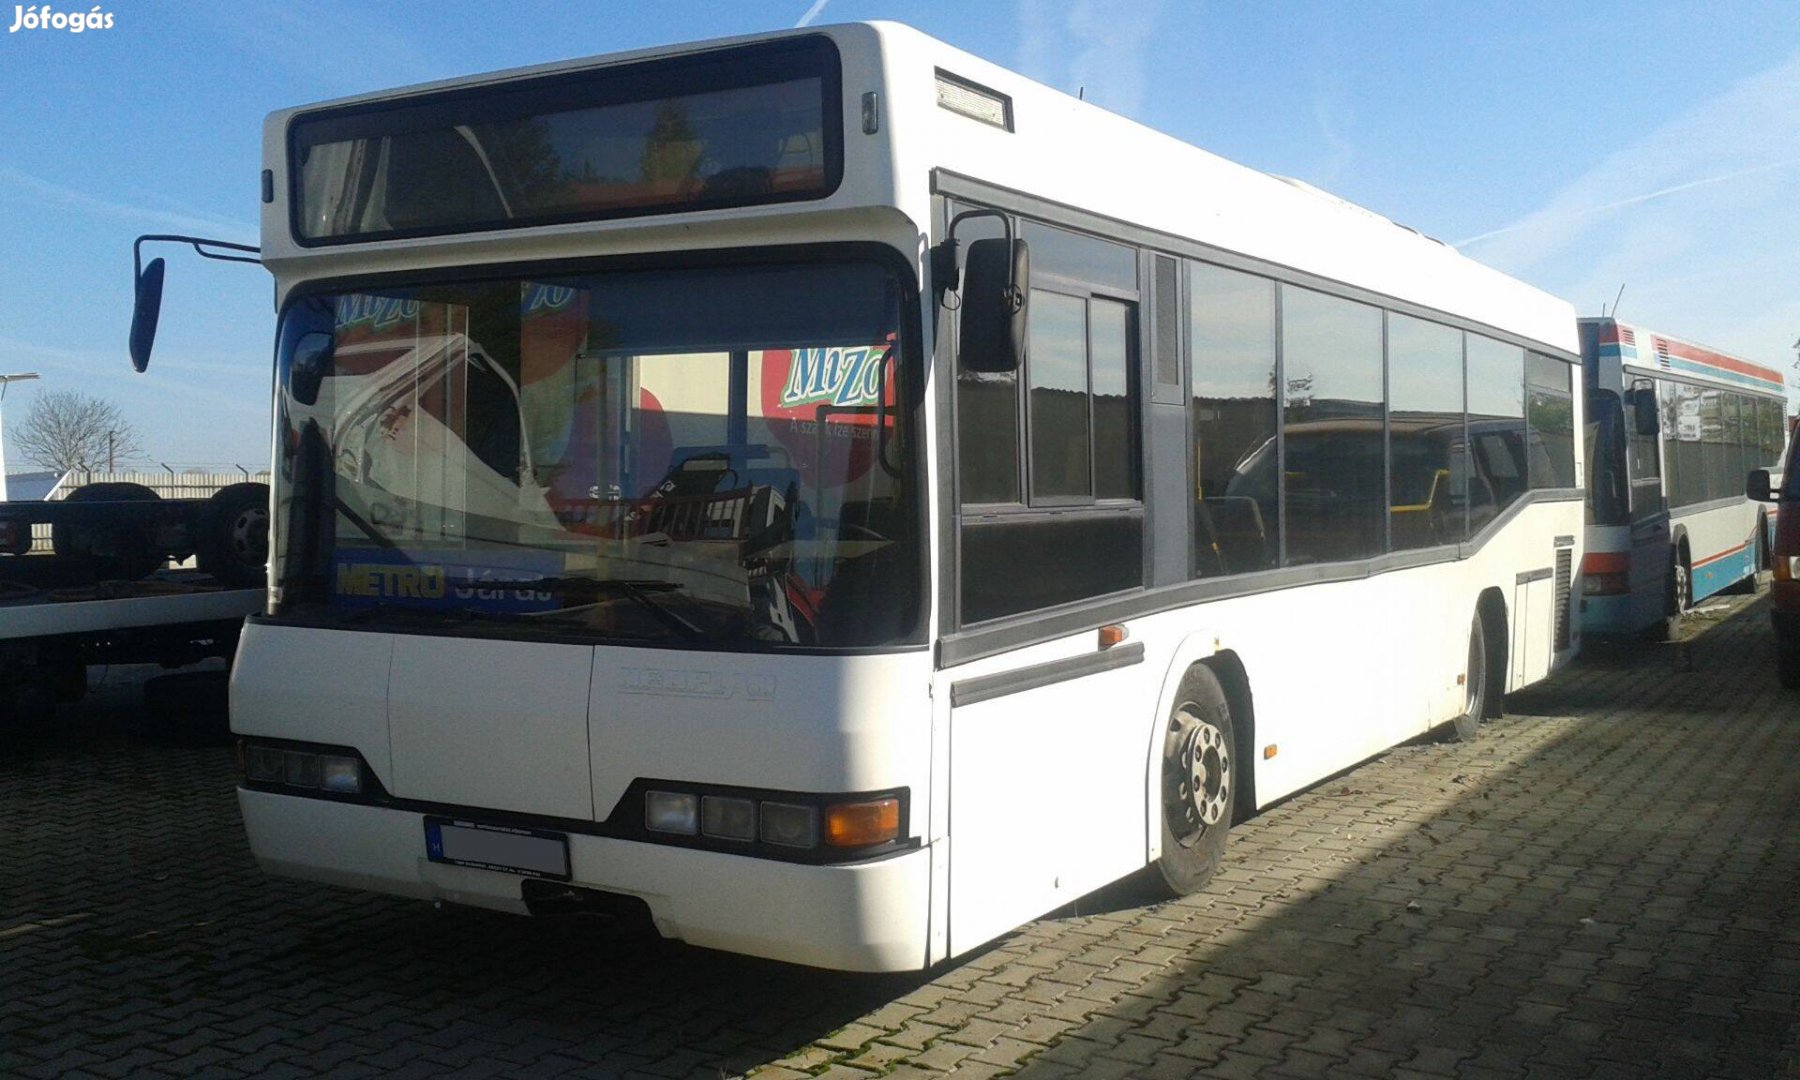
(669, 515)
(1673, 430)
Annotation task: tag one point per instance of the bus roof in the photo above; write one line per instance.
(1645, 350)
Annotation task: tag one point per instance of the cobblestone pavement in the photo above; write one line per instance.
(1607, 884)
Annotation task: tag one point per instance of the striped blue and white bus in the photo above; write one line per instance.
(1673, 428)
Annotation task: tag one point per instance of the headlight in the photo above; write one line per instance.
(787, 825)
(672, 812)
(264, 763)
(300, 769)
(727, 818)
(340, 775)
(335, 772)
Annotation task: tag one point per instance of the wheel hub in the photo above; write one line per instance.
(250, 535)
(1197, 775)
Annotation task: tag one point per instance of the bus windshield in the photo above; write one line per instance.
(709, 457)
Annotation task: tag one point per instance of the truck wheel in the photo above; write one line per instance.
(234, 535)
(122, 550)
(1199, 782)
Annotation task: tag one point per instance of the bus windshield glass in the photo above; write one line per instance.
(748, 126)
(718, 458)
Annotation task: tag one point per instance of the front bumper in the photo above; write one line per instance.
(869, 916)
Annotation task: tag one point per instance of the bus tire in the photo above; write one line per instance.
(1199, 782)
(1467, 725)
(1678, 596)
(233, 543)
(114, 551)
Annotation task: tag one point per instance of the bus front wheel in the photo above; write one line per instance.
(1678, 596)
(1199, 782)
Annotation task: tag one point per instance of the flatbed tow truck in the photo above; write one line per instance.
(106, 592)
(51, 634)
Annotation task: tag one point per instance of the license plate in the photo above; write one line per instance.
(531, 852)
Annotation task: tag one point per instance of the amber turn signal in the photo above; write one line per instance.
(1112, 635)
(861, 824)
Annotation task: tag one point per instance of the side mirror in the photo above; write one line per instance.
(144, 312)
(1757, 486)
(1643, 410)
(995, 316)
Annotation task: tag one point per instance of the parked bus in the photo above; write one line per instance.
(1673, 430)
(848, 500)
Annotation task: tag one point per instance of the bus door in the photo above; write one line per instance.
(1648, 506)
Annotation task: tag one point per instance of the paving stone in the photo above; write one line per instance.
(1604, 884)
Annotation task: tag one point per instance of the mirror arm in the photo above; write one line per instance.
(944, 272)
(199, 244)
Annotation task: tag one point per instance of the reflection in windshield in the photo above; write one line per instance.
(716, 457)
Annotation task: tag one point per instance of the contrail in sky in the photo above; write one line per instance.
(811, 13)
(1621, 203)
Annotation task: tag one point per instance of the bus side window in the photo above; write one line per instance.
(1231, 327)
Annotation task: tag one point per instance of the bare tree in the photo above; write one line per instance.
(67, 429)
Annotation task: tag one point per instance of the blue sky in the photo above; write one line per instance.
(1577, 146)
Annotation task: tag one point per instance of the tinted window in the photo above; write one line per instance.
(1115, 450)
(1082, 258)
(987, 436)
(1335, 474)
(1026, 562)
(756, 125)
(1683, 449)
(1429, 477)
(1078, 444)
(1232, 325)
(1713, 428)
(1496, 428)
(1550, 422)
(1057, 370)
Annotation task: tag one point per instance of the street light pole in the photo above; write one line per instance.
(5, 381)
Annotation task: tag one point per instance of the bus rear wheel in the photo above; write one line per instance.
(1467, 725)
(1199, 783)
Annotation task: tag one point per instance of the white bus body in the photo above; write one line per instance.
(890, 638)
(1676, 428)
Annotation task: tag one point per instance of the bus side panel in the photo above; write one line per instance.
(1721, 548)
(1044, 793)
